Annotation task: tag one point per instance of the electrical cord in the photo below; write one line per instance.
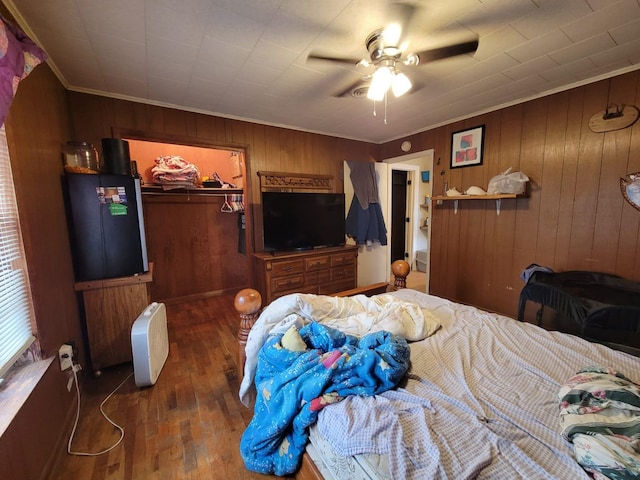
(75, 424)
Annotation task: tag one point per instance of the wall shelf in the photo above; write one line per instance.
(498, 198)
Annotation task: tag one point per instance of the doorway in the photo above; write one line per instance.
(399, 218)
(411, 222)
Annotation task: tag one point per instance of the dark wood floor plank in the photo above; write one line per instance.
(187, 426)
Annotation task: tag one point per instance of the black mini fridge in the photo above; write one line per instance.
(106, 226)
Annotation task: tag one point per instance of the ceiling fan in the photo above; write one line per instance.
(389, 54)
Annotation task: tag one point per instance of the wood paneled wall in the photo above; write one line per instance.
(267, 148)
(36, 127)
(575, 217)
(193, 245)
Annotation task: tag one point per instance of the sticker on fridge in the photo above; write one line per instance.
(115, 198)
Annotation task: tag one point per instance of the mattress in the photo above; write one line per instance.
(491, 386)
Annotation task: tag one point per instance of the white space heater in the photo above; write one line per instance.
(150, 344)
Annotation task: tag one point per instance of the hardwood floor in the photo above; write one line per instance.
(188, 425)
(416, 280)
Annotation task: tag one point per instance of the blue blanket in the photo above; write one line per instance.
(292, 387)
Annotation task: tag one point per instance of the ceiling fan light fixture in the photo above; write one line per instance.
(380, 83)
(400, 84)
(391, 34)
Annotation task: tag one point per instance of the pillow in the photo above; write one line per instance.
(292, 341)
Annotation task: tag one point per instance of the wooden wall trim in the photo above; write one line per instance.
(294, 181)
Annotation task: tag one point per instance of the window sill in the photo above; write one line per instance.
(18, 388)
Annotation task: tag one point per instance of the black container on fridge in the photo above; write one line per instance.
(106, 226)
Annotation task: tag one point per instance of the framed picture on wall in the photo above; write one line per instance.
(466, 147)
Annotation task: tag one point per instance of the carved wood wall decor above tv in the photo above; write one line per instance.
(298, 182)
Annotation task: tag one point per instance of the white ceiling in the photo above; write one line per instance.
(247, 59)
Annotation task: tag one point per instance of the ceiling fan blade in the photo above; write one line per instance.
(448, 51)
(401, 14)
(349, 61)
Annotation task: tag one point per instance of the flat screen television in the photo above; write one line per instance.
(302, 221)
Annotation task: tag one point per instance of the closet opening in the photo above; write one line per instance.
(199, 236)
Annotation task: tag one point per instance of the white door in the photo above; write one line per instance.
(374, 262)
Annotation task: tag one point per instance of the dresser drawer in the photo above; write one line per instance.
(345, 258)
(346, 272)
(314, 278)
(287, 283)
(279, 269)
(316, 263)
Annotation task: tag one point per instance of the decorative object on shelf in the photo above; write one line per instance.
(475, 190)
(116, 157)
(508, 182)
(80, 157)
(615, 117)
(630, 188)
(467, 146)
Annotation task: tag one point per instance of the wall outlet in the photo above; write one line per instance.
(65, 354)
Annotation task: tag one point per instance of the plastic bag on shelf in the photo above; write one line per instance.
(507, 182)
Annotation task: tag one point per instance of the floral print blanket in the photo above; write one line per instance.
(600, 414)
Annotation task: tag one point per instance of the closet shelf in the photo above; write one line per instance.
(159, 190)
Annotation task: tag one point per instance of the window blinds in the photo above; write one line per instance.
(15, 296)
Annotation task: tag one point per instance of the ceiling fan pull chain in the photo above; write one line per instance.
(385, 108)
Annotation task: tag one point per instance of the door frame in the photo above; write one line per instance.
(412, 227)
(416, 163)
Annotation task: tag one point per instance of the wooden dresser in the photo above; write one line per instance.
(322, 271)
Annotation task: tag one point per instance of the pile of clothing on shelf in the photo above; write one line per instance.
(176, 171)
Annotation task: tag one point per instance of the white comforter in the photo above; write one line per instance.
(357, 315)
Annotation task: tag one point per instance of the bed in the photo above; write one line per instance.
(485, 396)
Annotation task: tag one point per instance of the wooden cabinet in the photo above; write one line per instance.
(323, 271)
(110, 308)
